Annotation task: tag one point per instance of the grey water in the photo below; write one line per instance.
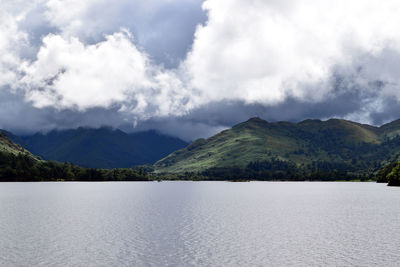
(199, 223)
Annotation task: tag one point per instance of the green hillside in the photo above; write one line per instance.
(311, 144)
(9, 147)
(18, 164)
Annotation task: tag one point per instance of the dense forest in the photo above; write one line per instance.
(389, 174)
(279, 170)
(23, 167)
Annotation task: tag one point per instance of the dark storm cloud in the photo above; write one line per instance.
(390, 112)
(228, 113)
(214, 117)
(202, 122)
(21, 117)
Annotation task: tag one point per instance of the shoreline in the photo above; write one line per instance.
(230, 181)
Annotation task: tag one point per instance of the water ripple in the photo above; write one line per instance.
(199, 224)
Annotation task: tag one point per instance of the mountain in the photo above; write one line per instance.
(334, 145)
(16, 162)
(19, 165)
(100, 148)
(7, 146)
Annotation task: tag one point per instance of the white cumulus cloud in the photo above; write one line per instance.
(266, 51)
(11, 40)
(68, 74)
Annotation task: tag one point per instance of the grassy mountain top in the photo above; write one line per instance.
(335, 141)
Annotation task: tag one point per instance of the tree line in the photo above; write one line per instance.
(23, 167)
(389, 174)
(279, 170)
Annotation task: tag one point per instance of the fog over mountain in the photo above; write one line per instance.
(191, 68)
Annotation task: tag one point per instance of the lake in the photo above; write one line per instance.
(199, 223)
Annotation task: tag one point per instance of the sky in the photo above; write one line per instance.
(191, 68)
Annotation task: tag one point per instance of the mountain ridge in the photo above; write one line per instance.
(9, 147)
(19, 165)
(335, 141)
(103, 147)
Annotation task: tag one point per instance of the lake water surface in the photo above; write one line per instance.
(199, 223)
